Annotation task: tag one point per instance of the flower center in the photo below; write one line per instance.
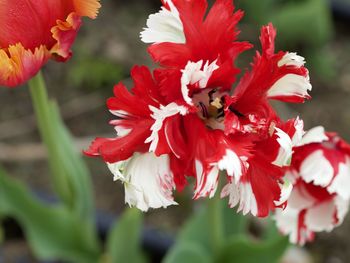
(210, 107)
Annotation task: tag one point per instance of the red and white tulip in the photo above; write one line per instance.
(320, 174)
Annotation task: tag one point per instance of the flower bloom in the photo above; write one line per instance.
(187, 120)
(34, 31)
(320, 174)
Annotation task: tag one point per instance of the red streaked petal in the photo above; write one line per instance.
(168, 54)
(175, 136)
(113, 150)
(279, 76)
(128, 103)
(179, 169)
(142, 78)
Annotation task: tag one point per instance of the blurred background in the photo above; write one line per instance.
(104, 53)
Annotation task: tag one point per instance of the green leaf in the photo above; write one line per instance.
(188, 252)
(73, 165)
(123, 243)
(70, 176)
(241, 249)
(53, 232)
(197, 228)
(269, 249)
(234, 223)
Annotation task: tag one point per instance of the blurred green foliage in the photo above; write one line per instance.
(94, 72)
(301, 24)
(125, 238)
(194, 240)
(53, 232)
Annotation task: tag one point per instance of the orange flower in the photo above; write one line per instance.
(33, 31)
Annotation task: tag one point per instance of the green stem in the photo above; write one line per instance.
(70, 176)
(44, 114)
(216, 223)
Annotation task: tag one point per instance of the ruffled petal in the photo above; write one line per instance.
(148, 180)
(121, 148)
(241, 194)
(164, 26)
(289, 135)
(17, 65)
(310, 209)
(314, 135)
(87, 8)
(317, 169)
(341, 182)
(320, 173)
(196, 75)
(65, 33)
(273, 76)
(292, 87)
(133, 108)
(159, 116)
(286, 149)
(260, 189)
(205, 37)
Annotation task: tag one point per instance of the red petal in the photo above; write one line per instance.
(122, 148)
(65, 33)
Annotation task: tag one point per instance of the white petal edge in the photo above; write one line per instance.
(287, 223)
(292, 59)
(232, 163)
(193, 73)
(314, 135)
(299, 131)
(342, 206)
(286, 190)
(164, 26)
(287, 219)
(120, 128)
(290, 85)
(321, 217)
(286, 149)
(147, 179)
(159, 115)
(317, 169)
(341, 183)
(242, 194)
(120, 113)
(206, 181)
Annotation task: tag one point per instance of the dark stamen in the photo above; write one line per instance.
(211, 94)
(236, 112)
(221, 113)
(204, 110)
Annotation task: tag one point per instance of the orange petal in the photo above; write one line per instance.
(64, 33)
(17, 64)
(87, 7)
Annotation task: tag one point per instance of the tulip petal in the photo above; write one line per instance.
(87, 8)
(65, 33)
(17, 64)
